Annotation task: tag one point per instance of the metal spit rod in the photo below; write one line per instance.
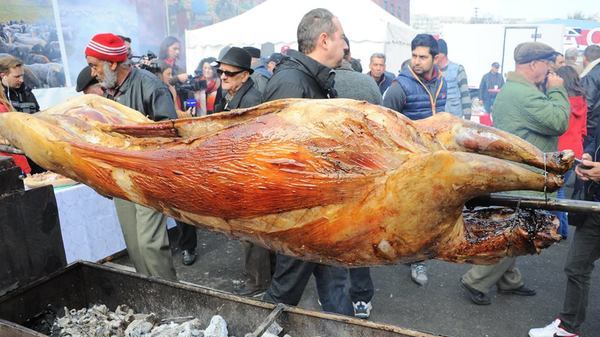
(510, 200)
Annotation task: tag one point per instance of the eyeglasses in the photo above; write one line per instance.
(229, 73)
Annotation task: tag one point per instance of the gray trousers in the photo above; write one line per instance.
(145, 233)
(257, 266)
(583, 252)
(504, 274)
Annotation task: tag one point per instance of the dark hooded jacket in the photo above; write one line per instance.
(299, 76)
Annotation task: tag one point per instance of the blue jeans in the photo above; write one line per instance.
(563, 230)
(488, 103)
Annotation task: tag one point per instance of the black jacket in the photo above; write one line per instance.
(248, 96)
(299, 76)
(591, 143)
(591, 84)
(144, 92)
(22, 99)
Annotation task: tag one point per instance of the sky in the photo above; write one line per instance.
(528, 9)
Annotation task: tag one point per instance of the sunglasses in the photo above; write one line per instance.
(229, 73)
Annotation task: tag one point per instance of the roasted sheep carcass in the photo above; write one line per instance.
(336, 181)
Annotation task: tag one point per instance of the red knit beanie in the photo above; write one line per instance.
(107, 47)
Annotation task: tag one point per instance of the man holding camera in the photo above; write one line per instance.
(19, 95)
(144, 229)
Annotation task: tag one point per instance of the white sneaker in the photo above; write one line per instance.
(551, 330)
(418, 273)
(362, 309)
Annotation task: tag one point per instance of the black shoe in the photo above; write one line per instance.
(249, 292)
(520, 291)
(475, 295)
(189, 257)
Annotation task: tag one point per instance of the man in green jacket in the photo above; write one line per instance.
(523, 110)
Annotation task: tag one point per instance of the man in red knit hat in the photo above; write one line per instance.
(144, 229)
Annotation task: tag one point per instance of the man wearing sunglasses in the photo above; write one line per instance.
(235, 68)
(240, 91)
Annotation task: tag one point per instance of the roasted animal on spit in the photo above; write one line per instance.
(335, 181)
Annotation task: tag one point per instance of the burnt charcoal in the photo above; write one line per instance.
(99, 321)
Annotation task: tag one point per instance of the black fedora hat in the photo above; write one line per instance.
(237, 57)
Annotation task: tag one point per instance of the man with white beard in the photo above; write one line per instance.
(144, 229)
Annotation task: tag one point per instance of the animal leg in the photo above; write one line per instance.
(456, 134)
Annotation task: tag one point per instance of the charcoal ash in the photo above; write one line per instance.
(99, 321)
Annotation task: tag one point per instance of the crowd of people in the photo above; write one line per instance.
(549, 99)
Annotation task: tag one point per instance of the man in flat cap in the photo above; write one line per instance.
(144, 229)
(539, 118)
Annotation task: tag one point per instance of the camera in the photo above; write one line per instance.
(145, 62)
(25, 107)
(193, 83)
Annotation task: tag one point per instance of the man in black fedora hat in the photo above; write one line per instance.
(235, 70)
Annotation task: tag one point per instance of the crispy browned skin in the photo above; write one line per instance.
(337, 181)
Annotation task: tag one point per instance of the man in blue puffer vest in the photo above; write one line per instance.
(419, 91)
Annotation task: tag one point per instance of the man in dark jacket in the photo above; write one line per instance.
(353, 84)
(240, 90)
(590, 80)
(490, 86)
(377, 71)
(308, 74)
(19, 95)
(585, 247)
(144, 229)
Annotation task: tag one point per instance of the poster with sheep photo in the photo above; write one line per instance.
(28, 31)
(143, 21)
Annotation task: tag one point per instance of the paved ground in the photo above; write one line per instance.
(441, 307)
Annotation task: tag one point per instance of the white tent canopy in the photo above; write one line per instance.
(369, 28)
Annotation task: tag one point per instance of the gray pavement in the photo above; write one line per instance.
(440, 308)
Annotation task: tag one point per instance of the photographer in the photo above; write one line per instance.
(182, 93)
(20, 96)
(188, 239)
